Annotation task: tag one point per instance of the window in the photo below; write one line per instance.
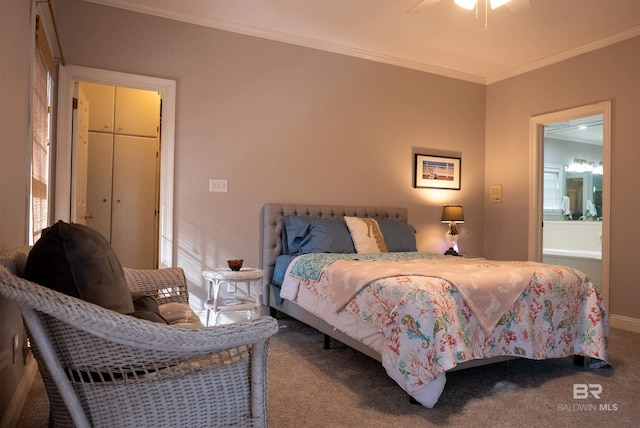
(552, 187)
(41, 133)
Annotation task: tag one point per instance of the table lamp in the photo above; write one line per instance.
(452, 214)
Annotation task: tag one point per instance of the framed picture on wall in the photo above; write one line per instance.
(437, 172)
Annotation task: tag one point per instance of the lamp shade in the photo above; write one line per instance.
(452, 213)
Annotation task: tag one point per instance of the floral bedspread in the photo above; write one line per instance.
(428, 328)
(489, 288)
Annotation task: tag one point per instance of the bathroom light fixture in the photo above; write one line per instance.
(580, 165)
(452, 214)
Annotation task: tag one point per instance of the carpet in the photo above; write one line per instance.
(339, 387)
(313, 387)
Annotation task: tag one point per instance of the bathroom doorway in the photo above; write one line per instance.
(570, 179)
(572, 195)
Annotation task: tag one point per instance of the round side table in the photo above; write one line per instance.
(251, 278)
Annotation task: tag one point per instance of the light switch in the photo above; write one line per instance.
(218, 185)
(495, 193)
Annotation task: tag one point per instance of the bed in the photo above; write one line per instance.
(421, 314)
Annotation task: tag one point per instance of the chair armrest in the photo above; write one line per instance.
(162, 339)
(164, 285)
(15, 259)
(215, 339)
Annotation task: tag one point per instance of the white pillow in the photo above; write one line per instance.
(366, 235)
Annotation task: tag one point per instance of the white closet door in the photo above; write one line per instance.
(79, 169)
(133, 222)
(137, 112)
(102, 98)
(99, 183)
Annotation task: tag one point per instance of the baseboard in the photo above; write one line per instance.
(625, 323)
(14, 411)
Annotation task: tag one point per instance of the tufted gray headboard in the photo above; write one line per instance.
(273, 214)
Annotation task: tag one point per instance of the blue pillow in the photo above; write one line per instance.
(398, 236)
(282, 263)
(283, 240)
(327, 236)
(317, 235)
(294, 231)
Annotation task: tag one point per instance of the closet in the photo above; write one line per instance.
(123, 170)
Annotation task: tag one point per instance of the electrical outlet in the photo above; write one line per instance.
(16, 344)
(218, 185)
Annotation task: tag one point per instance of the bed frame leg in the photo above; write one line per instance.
(273, 312)
(327, 341)
(578, 360)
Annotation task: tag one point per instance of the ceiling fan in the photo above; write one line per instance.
(516, 6)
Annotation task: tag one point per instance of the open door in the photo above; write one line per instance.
(79, 165)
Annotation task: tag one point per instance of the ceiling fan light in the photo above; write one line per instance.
(467, 4)
(497, 3)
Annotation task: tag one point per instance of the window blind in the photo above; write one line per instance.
(40, 128)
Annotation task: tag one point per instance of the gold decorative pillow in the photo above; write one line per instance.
(366, 235)
(179, 314)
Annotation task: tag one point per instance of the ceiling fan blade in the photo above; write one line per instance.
(518, 6)
(421, 5)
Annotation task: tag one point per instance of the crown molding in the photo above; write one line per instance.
(369, 55)
(600, 43)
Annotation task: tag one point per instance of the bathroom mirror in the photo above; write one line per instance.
(573, 170)
(580, 188)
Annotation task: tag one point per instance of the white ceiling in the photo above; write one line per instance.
(443, 38)
(588, 130)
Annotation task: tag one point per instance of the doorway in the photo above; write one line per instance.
(570, 210)
(70, 76)
(120, 180)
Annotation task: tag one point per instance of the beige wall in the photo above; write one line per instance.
(287, 124)
(15, 158)
(15, 55)
(606, 74)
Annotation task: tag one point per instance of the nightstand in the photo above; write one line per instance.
(232, 302)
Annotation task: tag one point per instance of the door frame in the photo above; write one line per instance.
(69, 75)
(536, 171)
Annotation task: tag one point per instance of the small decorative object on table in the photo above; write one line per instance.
(244, 302)
(235, 264)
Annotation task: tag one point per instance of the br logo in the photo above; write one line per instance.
(582, 391)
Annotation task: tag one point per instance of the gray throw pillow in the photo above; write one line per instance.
(78, 261)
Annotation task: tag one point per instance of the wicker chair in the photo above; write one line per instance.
(102, 368)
